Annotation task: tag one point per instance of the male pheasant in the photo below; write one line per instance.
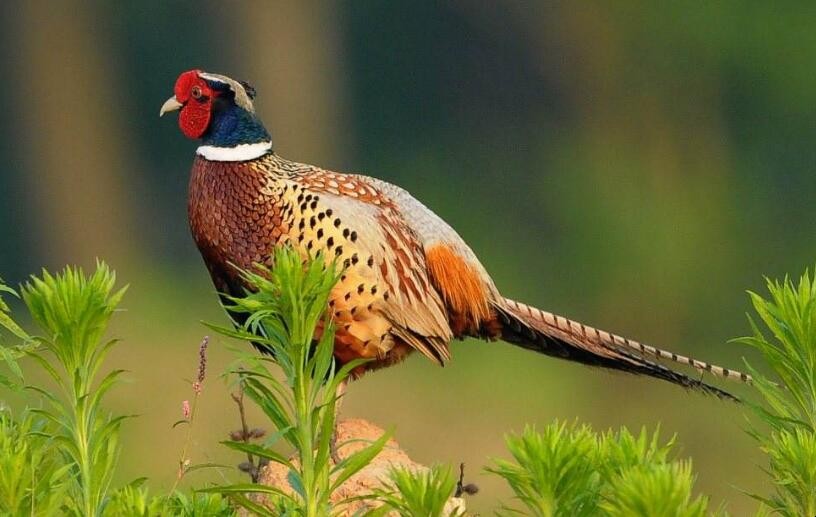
(410, 282)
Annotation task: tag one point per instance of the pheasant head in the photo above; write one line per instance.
(220, 112)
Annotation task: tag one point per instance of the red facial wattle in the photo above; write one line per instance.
(195, 115)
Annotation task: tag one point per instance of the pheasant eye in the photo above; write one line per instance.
(196, 92)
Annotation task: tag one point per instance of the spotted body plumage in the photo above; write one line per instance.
(409, 281)
(383, 305)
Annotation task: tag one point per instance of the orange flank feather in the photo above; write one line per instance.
(461, 287)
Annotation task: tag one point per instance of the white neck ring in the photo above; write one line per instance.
(238, 153)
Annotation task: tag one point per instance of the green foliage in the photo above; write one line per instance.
(5, 318)
(417, 493)
(570, 470)
(199, 505)
(32, 480)
(73, 311)
(135, 501)
(789, 412)
(553, 469)
(61, 459)
(653, 489)
(623, 450)
(10, 354)
(642, 480)
(283, 315)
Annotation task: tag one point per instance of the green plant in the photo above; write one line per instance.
(645, 490)
(135, 501)
(73, 311)
(423, 493)
(62, 458)
(285, 315)
(32, 480)
(570, 470)
(553, 469)
(11, 353)
(789, 412)
(199, 505)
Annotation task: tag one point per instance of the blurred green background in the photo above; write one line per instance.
(636, 167)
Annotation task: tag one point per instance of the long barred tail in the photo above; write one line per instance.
(557, 336)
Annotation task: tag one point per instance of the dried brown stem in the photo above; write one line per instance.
(245, 434)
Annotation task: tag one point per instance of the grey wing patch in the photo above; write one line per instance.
(432, 229)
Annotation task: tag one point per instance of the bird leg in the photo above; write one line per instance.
(338, 400)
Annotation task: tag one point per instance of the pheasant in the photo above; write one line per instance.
(409, 283)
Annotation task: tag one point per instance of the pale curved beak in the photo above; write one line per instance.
(170, 104)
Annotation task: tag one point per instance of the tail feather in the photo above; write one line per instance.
(557, 336)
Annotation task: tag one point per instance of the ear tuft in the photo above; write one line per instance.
(243, 95)
(250, 90)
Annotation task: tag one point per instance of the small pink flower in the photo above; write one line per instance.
(197, 387)
(185, 409)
